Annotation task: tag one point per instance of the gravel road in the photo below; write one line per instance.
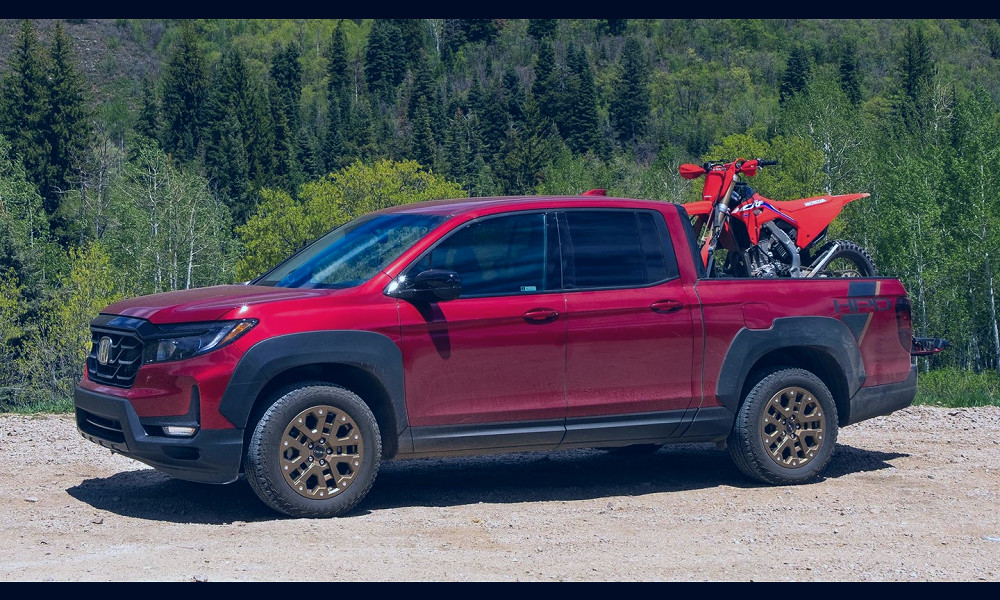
(914, 496)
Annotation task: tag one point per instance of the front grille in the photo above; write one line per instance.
(123, 360)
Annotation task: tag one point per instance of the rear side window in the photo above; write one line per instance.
(615, 248)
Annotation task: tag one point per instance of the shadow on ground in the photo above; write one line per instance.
(511, 478)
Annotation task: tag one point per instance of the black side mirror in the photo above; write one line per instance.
(433, 285)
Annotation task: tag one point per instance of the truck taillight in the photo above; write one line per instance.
(904, 322)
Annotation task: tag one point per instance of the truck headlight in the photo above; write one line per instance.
(184, 340)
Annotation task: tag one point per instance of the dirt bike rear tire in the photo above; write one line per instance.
(850, 260)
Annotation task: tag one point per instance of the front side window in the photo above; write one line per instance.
(615, 249)
(494, 256)
(353, 253)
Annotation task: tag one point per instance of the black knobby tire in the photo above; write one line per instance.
(314, 452)
(786, 428)
(850, 260)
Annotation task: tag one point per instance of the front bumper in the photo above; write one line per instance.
(877, 400)
(209, 456)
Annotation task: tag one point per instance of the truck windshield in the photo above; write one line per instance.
(351, 254)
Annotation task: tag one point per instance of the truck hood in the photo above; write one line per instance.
(205, 304)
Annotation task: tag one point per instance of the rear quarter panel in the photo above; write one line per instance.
(866, 306)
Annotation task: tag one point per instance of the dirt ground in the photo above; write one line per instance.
(914, 496)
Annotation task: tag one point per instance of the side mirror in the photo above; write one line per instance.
(433, 285)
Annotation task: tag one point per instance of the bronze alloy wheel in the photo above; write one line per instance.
(793, 427)
(322, 450)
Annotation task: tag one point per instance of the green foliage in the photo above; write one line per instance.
(240, 152)
(185, 94)
(906, 110)
(796, 74)
(25, 112)
(169, 232)
(62, 343)
(67, 125)
(542, 28)
(630, 104)
(283, 225)
(953, 388)
(385, 61)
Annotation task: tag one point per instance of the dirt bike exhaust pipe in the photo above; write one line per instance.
(821, 263)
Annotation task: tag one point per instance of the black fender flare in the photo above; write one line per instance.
(372, 352)
(825, 334)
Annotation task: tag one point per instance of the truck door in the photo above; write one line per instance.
(630, 336)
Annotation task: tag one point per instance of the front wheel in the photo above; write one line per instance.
(786, 428)
(848, 260)
(315, 452)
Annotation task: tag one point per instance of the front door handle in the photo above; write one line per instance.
(666, 306)
(541, 315)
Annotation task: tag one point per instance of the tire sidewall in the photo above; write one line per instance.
(264, 466)
(757, 462)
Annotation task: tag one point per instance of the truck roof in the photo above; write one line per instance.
(457, 206)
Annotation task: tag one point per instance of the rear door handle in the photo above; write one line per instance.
(541, 315)
(666, 306)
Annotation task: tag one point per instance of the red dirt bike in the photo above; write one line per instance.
(767, 238)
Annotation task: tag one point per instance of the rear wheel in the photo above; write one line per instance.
(786, 428)
(849, 260)
(315, 452)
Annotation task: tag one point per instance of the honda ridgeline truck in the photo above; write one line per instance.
(490, 325)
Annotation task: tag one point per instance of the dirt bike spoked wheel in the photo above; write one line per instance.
(849, 260)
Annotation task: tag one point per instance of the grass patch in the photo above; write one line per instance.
(955, 388)
(38, 403)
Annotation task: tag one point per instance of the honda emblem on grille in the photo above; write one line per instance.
(103, 350)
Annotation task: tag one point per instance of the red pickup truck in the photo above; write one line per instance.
(490, 325)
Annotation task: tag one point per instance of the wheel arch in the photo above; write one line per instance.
(820, 345)
(367, 363)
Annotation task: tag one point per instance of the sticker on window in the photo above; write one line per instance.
(527, 288)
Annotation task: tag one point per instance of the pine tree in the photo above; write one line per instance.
(424, 146)
(612, 26)
(287, 76)
(546, 89)
(849, 80)
(239, 98)
(339, 78)
(457, 146)
(149, 122)
(413, 38)
(515, 97)
(68, 130)
(525, 153)
(542, 28)
(581, 129)
(385, 62)
(917, 80)
(796, 75)
(185, 94)
(286, 171)
(491, 117)
(334, 148)
(630, 105)
(25, 113)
